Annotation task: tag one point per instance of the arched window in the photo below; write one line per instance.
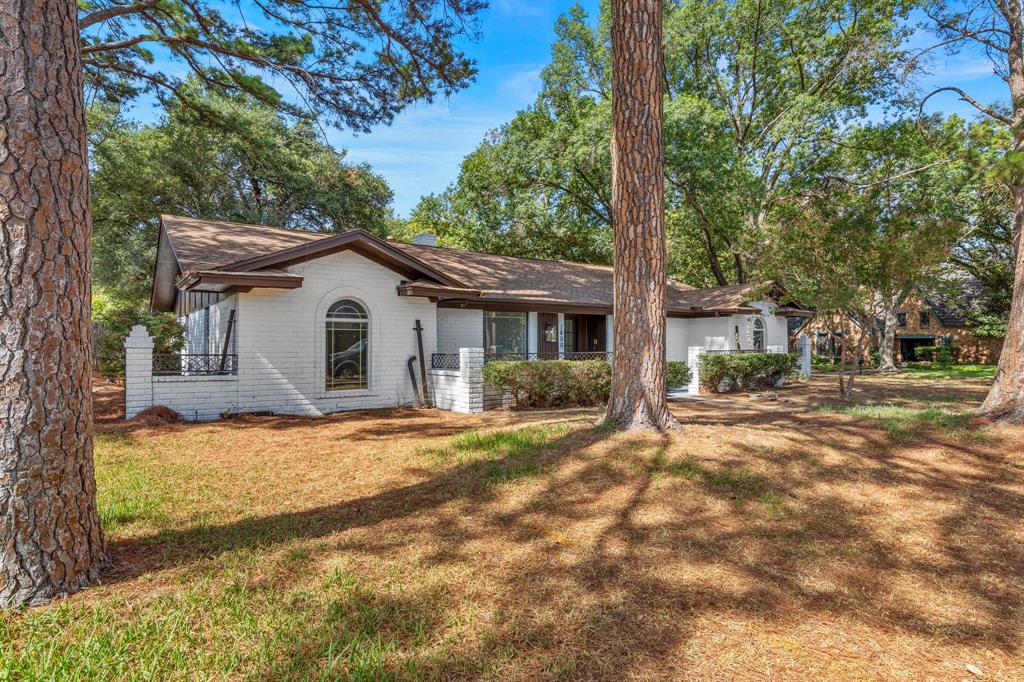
(348, 346)
(758, 333)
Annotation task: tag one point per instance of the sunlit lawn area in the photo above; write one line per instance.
(931, 371)
(881, 538)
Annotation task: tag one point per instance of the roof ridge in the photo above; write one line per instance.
(292, 230)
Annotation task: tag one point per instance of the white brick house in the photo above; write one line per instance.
(304, 323)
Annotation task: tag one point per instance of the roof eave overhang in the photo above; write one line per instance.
(434, 291)
(213, 280)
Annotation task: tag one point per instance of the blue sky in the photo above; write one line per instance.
(420, 152)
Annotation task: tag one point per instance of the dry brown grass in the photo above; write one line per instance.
(766, 541)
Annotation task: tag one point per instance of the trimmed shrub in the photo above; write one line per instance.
(728, 372)
(924, 353)
(678, 374)
(551, 383)
(943, 356)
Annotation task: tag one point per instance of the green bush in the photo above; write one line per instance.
(876, 358)
(728, 372)
(118, 316)
(678, 374)
(551, 383)
(943, 356)
(924, 353)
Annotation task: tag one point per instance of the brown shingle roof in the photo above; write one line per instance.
(216, 244)
(526, 279)
(210, 244)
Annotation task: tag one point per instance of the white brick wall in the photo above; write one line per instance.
(676, 329)
(281, 338)
(459, 328)
(197, 398)
(710, 332)
(460, 390)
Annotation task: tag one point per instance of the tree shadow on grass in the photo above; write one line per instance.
(606, 555)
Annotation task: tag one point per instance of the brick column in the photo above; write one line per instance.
(138, 371)
(804, 345)
(693, 362)
(471, 366)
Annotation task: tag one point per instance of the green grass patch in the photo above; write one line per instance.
(737, 482)
(503, 456)
(904, 424)
(338, 627)
(128, 492)
(931, 371)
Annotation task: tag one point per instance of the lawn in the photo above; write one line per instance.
(880, 538)
(930, 371)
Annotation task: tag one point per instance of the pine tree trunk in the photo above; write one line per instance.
(50, 532)
(1005, 400)
(886, 361)
(638, 393)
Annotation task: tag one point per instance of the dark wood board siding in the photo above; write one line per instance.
(543, 344)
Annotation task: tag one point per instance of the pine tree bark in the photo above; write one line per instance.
(49, 532)
(1005, 400)
(638, 392)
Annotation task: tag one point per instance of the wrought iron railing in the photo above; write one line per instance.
(569, 355)
(444, 361)
(194, 364)
(733, 351)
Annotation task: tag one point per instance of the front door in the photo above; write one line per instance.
(547, 334)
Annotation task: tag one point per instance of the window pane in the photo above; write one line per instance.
(347, 345)
(504, 332)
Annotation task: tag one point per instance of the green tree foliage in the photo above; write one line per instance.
(357, 63)
(885, 209)
(757, 95)
(985, 254)
(257, 169)
(117, 316)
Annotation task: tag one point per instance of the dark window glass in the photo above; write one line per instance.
(901, 319)
(570, 334)
(348, 340)
(926, 318)
(758, 333)
(504, 332)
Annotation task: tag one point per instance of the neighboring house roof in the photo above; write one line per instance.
(953, 307)
(216, 255)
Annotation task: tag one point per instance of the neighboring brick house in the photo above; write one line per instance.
(933, 320)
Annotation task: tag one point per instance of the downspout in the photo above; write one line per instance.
(423, 363)
(412, 376)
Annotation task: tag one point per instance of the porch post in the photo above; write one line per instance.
(804, 346)
(561, 335)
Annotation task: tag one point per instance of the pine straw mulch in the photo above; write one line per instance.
(766, 541)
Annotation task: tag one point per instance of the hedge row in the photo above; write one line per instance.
(728, 372)
(562, 383)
